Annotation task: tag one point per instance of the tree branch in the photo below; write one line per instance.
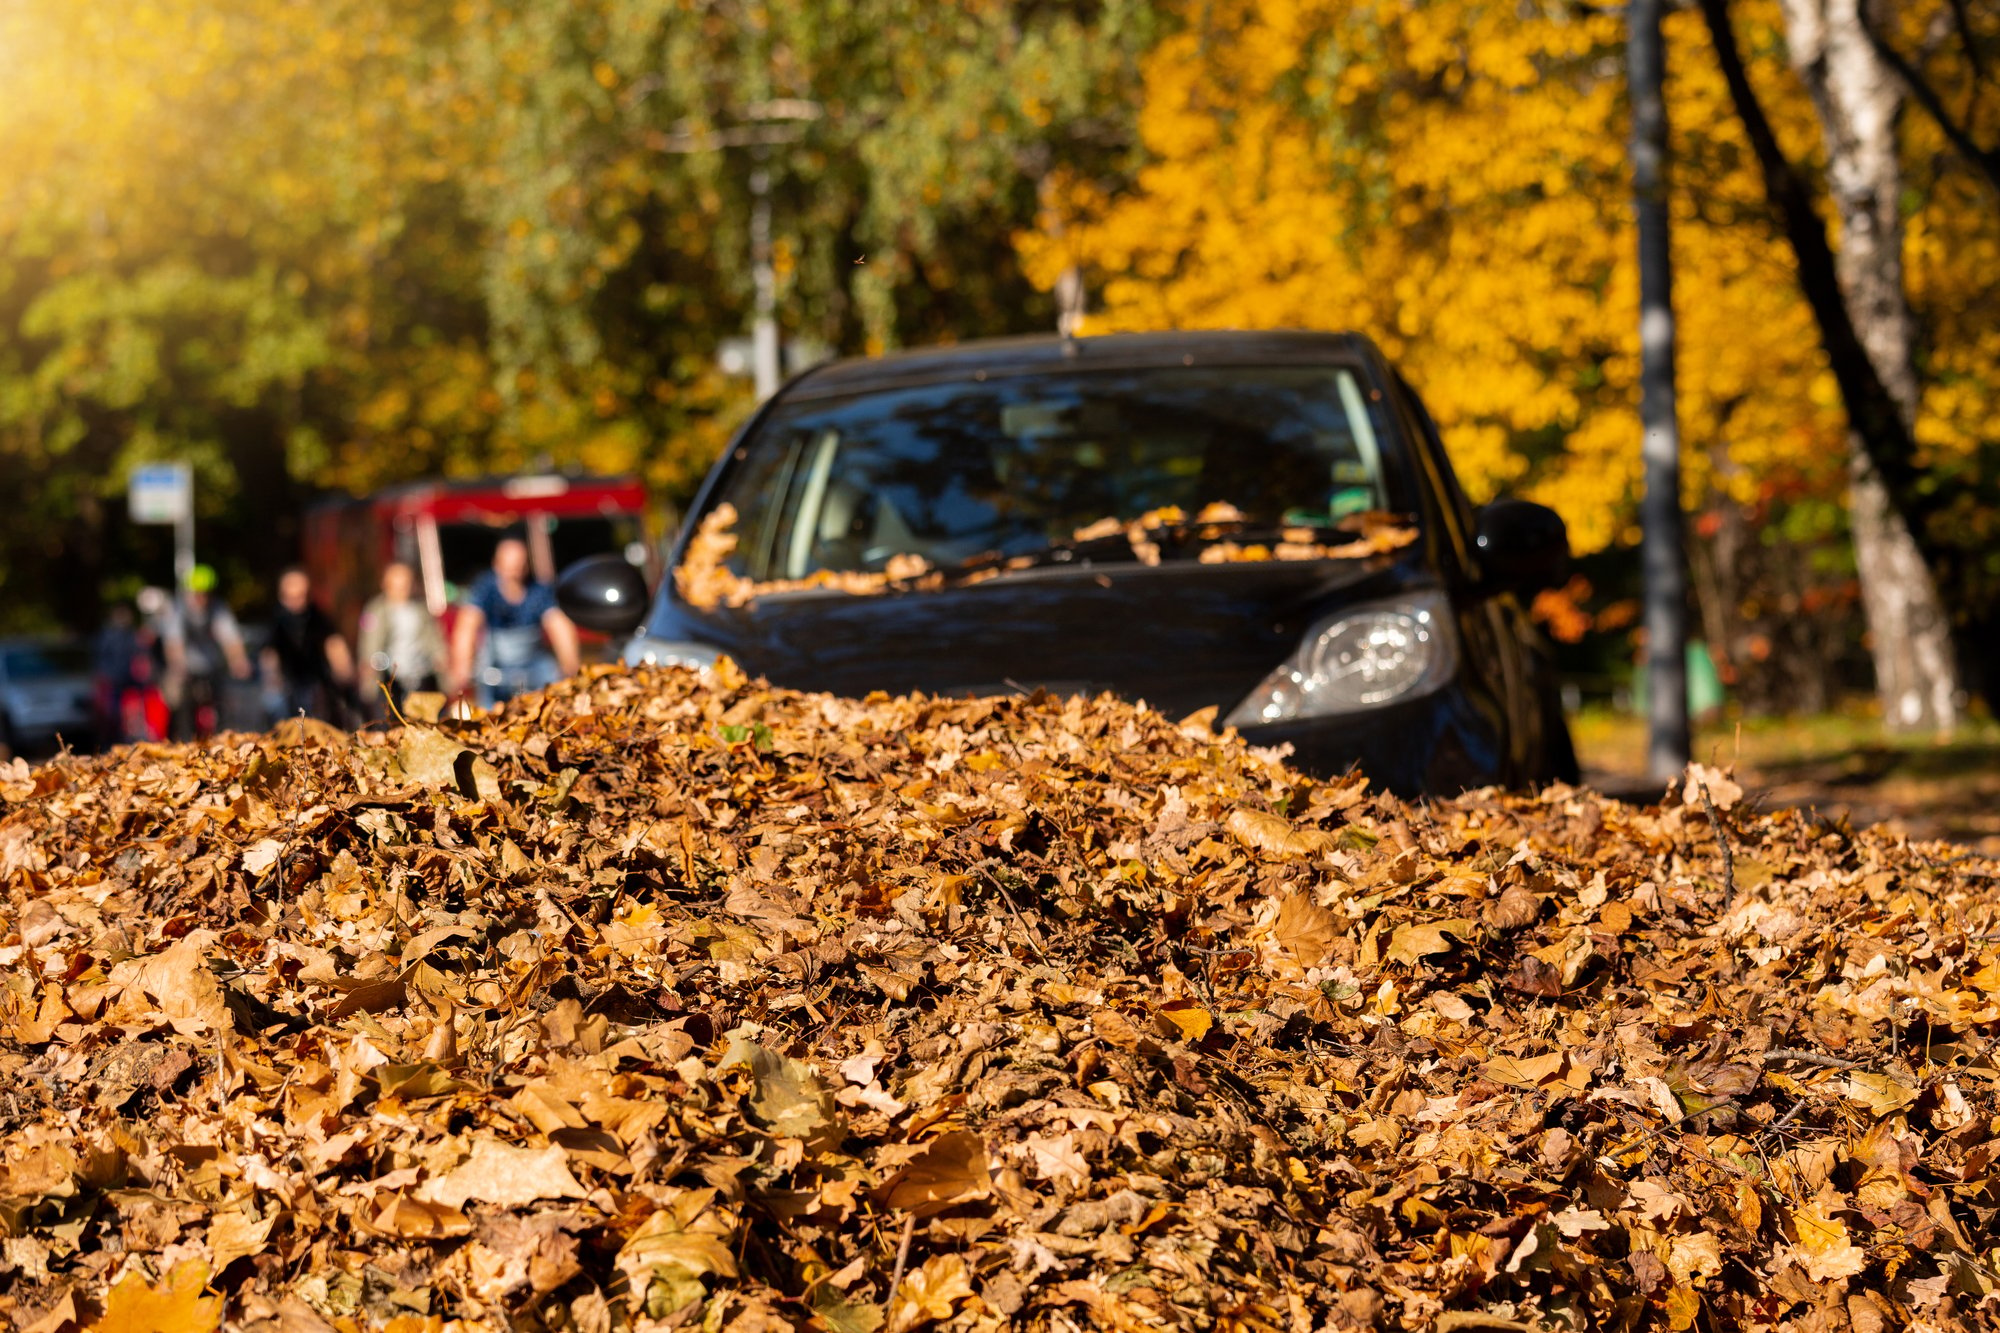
(1871, 411)
(1985, 161)
(1962, 21)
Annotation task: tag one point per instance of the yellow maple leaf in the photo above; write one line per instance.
(179, 1306)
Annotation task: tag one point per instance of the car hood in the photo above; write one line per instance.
(1180, 636)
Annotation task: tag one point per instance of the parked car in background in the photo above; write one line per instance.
(46, 693)
(1261, 524)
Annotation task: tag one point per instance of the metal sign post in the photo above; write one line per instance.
(163, 493)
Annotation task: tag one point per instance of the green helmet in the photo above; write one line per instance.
(201, 579)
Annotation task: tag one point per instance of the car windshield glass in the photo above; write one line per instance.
(39, 662)
(952, 473)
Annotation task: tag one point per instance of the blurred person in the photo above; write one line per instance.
(113, 651)
(402, 647)
(203, 649)
(314, 666)
(126, 669)
(528, 642)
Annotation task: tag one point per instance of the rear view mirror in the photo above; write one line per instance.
(605, 593)
(1523, 547)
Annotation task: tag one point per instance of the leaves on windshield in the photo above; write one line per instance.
(1376, 534)
(948, 1014)
(705, 579)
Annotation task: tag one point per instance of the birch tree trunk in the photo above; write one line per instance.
(1858, 101)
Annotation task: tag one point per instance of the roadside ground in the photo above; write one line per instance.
(1844, 764)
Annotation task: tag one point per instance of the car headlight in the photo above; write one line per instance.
(644, 650)
(1358, 659)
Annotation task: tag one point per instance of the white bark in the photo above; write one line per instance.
(1859, 102)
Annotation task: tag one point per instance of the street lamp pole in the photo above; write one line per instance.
(764, 328)
(768, 123)
(1668, 741)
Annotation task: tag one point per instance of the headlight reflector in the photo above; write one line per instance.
(1358, 659)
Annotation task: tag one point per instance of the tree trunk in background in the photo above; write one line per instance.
(1858, 101)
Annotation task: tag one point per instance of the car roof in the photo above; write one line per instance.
(1123, 351)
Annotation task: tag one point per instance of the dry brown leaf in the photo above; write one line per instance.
(950, 1170)
(1416, 941)
(1263, 831)
(1304, 929)
(504, 1174)
(176, 981)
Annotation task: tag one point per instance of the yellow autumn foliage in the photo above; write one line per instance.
(1450, 177)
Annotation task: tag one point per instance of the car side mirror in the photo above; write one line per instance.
(605, 593)
(1523, 547)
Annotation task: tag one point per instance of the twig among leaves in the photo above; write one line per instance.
(902, 1264)
(1797, 1056)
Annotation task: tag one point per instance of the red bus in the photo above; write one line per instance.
(446, 532)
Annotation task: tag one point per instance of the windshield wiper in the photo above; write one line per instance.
(1109, 549)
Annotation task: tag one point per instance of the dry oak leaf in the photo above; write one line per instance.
(178, 1306)
(1452, 1006)
(1055, 1157)
(503, 1174)
(1823, 1247)
(1263, 831)
(1654, 1200)
(1691, 1258)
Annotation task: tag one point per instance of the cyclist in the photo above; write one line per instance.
(529, 642)
(203, 646)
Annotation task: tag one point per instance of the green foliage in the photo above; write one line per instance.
(350, 243)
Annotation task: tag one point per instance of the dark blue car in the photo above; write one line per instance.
(1260, 523)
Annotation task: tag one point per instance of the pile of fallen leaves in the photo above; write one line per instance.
(654, 1003)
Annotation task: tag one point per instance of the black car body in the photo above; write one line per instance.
(975, 455)
(46, 693)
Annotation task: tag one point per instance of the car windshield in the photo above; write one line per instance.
(951, 473)
(45, 662)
